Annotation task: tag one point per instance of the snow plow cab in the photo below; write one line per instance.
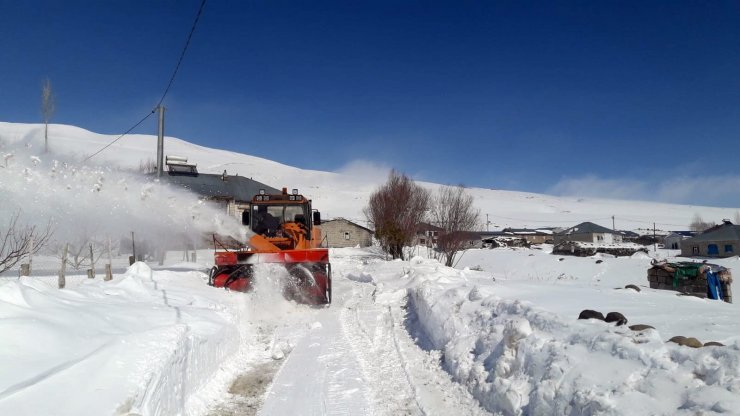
(285, 232)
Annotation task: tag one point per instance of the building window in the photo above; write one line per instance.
(728, 248)
(422, 241)
(346, 235)
(694, 249)
(712, 249)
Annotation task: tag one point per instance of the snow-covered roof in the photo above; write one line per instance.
(219, 186)
(587, 228)
(723, 232)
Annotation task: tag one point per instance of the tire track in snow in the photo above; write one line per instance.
(405, 379)
(369, 332)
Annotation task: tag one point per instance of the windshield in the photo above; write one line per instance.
(267, 219)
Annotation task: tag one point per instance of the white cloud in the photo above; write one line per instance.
(709, 190)
(594, 186)
(365, 169)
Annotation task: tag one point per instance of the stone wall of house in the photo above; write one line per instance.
(571, 248)
(341, 233)
(536, 239)
(662, 279)
(687, 248)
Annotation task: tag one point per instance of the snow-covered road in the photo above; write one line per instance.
(354, 358)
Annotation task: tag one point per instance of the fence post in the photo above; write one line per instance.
(30, 256)
(25, 270)
(91, 272)
(62, 279)
(109, 266)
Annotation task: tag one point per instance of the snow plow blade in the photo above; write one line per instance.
(309, 271)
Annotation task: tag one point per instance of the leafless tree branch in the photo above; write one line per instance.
(453, 211)
(20, 240)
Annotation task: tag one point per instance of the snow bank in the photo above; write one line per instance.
(519, 359)
(143, 343)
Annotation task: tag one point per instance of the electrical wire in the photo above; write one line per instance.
(119, 137)
(182, 55)
(166, 90)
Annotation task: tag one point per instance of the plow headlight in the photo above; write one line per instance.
(262, 191)
(292, 197)
(295, 191)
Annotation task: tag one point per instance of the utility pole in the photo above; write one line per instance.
(487, 222)
(160, 142)
(655, 241)
(613, 227)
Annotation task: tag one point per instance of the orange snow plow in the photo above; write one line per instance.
(285, 232)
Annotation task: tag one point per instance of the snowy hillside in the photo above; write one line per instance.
(344, 194)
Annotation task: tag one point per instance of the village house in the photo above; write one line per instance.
(427, 234)
(673, 240)
(588, 232)
(531, 236)
(719, 241)
(629, 236)
(231, 192)
(340, 232)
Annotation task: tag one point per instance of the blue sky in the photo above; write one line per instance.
(616, 99)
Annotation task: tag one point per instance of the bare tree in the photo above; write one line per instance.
(148, 166)
(47, 109)
(20, 240)
(698, 224)
(452, 210)
(79, 251)
(396, 209)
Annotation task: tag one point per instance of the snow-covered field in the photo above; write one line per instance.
(498, 334)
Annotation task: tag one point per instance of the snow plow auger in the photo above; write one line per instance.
(285, 232)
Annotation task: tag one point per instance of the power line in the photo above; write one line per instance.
(182, 55)
(119, 137)
(169, 84)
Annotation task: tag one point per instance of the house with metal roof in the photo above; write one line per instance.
(232, 192)
(588, 232)
(719, 241)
